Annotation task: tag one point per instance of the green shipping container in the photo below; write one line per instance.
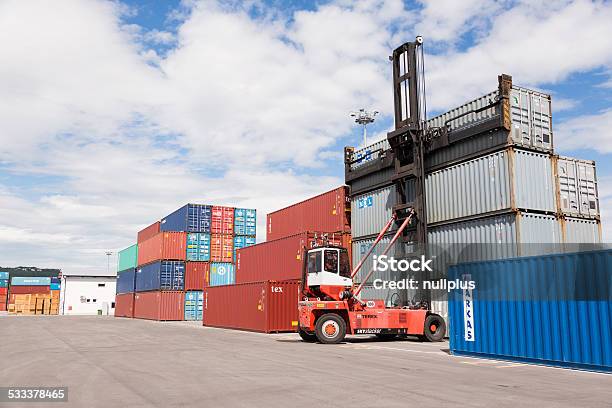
(128, 258)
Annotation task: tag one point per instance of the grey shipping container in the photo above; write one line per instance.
(577, 187)
(372, 181)
(580, 230)
(371, 211)
(365, 155)
(361, 246)
(530, 113)
(508, 179)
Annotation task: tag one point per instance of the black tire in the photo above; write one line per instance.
(330, 328)
(307, 337)
(386, 336)
(435, 328)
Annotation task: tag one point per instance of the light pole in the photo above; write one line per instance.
(108, 255)
(364, 118)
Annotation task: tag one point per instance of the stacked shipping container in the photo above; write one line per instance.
(4, 280)
(189, 249)
(33, 295)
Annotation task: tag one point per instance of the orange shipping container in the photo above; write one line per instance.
(222, 220)
(196, 275)
(221, 248)
(165, 245)
(124, 305)
(159, 305)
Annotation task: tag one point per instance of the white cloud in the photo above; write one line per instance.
(586, 132)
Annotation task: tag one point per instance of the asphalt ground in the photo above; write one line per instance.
(117, 362)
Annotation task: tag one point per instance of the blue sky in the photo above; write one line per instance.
(118, 112)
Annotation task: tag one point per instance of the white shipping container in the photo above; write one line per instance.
(580, 231)
(576, 183)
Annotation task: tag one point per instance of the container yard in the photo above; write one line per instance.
(198, 237)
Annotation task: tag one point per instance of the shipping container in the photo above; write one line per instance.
(4, 283)
(371, 211)
(159, 305)
(3, 291)
(56, 280)
(365, 155)
(165, 245)
(280, 259)
(362, 246)
(326, 212)
(242, 242)
(124, 305)
(580, 230)
(245, 222)
(127, 258)
(198, 246)
(148, 232)
(221, 248)
(188, 218)
(269, 306)
(222, 220)
(55, 286)
(372, 181)
(194, 305)
(2, 307)
(553, 310)
(530, 115)
(30, 281)
(577, 187)
(24, 290)
(4, 275)
(126, 281)
(196, 275)
(505, 180)
(222, 273)
(161, 275)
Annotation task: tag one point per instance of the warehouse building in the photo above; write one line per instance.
(88, 295)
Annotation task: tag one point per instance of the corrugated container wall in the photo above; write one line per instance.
(554, 310)
(162, 275)
(148, 232)
(280, 259)
(159, 305)
(198, 247)
(194, 305)
(126, 281)
(361, 247)
(127, 258)
(222, 274)
(577, 187)
(30, 281)
(263, 307)
(242, 242)
(371, 211)
(25, 289)
(165, 245)
(124, 305)
(325, 212)
(581, 230)
(196, 275)
(4, 275)
(221, 248)
(509, 179)
(245, 222)
(222, 220)
(365, 155)
(188, 218)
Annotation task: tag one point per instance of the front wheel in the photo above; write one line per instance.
(330, 329)
(307, 337)
(435, 328)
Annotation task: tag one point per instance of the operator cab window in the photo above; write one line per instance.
(314, 262)
(331, 261)
(345, 266)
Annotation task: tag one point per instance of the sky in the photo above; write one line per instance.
(115, 113)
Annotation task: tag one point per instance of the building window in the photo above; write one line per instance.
(112, 305)
(101, 285)
(94, 300)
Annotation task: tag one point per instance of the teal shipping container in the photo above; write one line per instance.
(198, 247)
(55, 286)
(194, 305)
(4, 275)
(242, 242)
(553, 310)
(30, 281)
(3, 283)
(222, 273)
(127, 258)
(245, 221)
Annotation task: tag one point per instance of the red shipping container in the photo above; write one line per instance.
(165, 245)
(159, 305)
(196, 275)
(268, 306)
(222, 220)
(2, 307)
(124, 305)
(3, 292)
(326, 212)
(148, 232)
(280, 259)
(222, 248)
(24, 290)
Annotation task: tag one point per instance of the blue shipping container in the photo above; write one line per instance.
(241, 242)
(189, 218)
(55, 286)
(161, 275)
(3, 283)
(222, 273)
(198, 247)
(4, 275)
(30, 281)
(194, 302)
(245, 221)
(553, 309)
(55, 280)
(126, 281)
